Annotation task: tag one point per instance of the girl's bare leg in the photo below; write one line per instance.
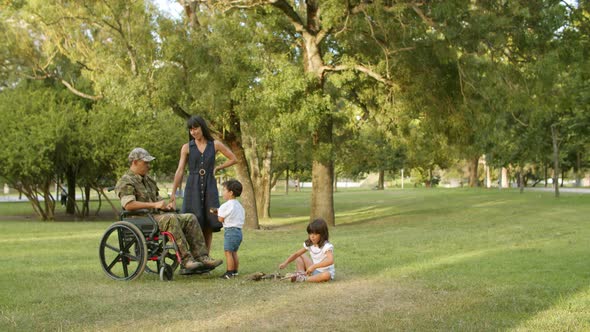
(303, 262)
(324, 276)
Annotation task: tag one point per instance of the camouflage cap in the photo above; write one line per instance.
(140, 154)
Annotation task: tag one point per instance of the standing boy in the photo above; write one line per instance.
(231, 214)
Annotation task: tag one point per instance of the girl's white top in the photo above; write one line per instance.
(319, 254)
(233, 214)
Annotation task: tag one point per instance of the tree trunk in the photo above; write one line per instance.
(381, 181)
(260, 172)
(554, 139)
(546, 173)
(248, 197)
(115, 210)
(562, 177)
(86, 207)
(322, 196)
(287, 182)
(578, 169)
(263, 198)
(71, 201)
(49, 200)
(473, 177)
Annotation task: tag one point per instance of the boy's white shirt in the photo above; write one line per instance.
(233, 214)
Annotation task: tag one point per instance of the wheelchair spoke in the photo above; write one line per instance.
(123, 243)
(130, 257)
(113, 262)
(111, 247)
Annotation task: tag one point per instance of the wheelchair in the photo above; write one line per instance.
(134, 244)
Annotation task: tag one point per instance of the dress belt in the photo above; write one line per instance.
(202, 171)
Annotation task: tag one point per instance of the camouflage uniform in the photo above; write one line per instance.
(184, 227)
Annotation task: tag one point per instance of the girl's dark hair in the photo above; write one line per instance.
(197, 121)
(234, 186)
(320, 227)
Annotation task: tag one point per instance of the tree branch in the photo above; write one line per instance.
(78, 92)
(292, 15)
(363, 69)
(178, 110)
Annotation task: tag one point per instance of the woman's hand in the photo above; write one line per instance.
(172, 203)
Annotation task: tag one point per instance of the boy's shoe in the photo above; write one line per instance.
(210, 262)
(235, 273)
(227, 275)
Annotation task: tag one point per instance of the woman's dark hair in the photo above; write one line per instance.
(320, 227)
(234, 186)
(197, 121)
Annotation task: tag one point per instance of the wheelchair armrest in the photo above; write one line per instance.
(140, 212)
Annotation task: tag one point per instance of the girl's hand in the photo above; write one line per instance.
(282, 266)
(310, 269)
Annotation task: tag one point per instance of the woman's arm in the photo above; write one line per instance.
(179, 174)
(231, 157)
(292, 258)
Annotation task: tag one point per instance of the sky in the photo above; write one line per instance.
(171, 7)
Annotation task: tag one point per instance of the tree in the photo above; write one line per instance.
(37, 119)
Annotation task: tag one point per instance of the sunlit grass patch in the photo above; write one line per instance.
(405, 260)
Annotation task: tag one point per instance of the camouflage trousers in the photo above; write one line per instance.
(186, 231)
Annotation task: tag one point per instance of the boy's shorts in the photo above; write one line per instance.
(232, 238)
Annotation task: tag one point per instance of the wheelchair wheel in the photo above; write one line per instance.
(166, 273)
(123, 251)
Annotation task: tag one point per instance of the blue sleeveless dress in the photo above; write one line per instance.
(200, 190)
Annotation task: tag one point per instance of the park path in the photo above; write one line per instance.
(561, 190)
(14, 198)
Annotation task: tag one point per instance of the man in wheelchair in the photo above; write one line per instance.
(137, 190)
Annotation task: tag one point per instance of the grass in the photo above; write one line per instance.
(412, 260)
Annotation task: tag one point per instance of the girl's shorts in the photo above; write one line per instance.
(318, 272)
(232, 238)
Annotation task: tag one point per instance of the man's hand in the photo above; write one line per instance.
(160, 205)
(171, 206)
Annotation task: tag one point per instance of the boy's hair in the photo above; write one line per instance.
(234, 186)
(318, 226)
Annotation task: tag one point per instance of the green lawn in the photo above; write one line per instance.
(412, 259)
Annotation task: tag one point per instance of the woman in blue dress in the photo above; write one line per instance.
(200, 190)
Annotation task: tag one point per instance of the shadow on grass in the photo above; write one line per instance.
(498, 288)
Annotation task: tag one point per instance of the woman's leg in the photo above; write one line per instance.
(208, 235)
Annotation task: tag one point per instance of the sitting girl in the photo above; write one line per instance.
(321, 265)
